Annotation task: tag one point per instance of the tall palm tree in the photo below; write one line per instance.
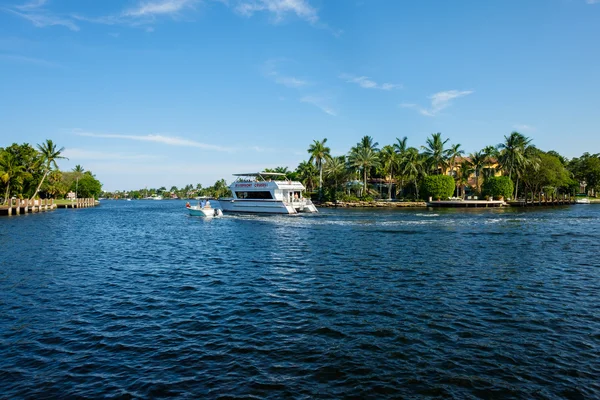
(513, 155)
(78, 170)
(478, 161)
(452, 154)
(10, 172)
(401, 147)
(49, 155)
(335, 169)
(363, 158)
(389, 161)
(434, 152)
(367, 142)
(462, 179)
(413, 167)
(318, 153)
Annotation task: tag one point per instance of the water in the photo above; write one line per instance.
(138, 299)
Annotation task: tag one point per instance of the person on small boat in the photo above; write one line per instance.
(187, 205)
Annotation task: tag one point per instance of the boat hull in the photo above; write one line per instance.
(203, 212)
(264, 207)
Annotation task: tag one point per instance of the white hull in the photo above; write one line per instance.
(265, 206)
(197, 211)
(582, 201)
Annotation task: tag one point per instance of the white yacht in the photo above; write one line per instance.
(266, 192)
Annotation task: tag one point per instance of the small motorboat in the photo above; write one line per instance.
(582, 200)
(203, 209)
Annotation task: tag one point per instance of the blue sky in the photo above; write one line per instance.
(171, 92)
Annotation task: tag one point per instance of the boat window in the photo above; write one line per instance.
(254, 195)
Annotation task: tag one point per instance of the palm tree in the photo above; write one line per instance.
(10, 172)
(306, 173)
(434, 152)
(335, 169)
(318, 153)
(363, 158)
(462, 179)
(389, 160)
(49, 155)
(367, 142)
(401, 147)
(512, 156)
(413, 167)
(78, 170)
(478, 161)
(452, 154)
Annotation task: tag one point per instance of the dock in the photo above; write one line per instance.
(24, 206)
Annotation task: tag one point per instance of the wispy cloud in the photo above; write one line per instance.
(524, 127)
(39, 16)
(156, 8)
(271, 70)
(321, 102)
(367, 83)
(592, 1)
(144, 13)
(168, 140)
(29, 60)
(32, 5)
(83, 154)
(439, 102)
(279, 9)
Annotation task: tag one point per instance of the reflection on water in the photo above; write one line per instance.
(140, 299)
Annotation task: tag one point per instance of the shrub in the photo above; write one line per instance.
(438, 186)
(349, 198)
(498, 186)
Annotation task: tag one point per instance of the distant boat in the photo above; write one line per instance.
(582, 200)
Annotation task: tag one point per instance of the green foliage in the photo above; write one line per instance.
(87, 186)
(349, 198)
(497, 186)
(438, 186)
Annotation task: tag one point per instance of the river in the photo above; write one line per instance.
(138, 299)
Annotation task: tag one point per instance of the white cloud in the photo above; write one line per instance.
(279, 9)
(32, 5)
(168, 140)
(592, 1)
(82, 154)
(159, 7)
(439, 102)
(366, 82)
(524, 127)
(271, 69)
(321, 103)
(41, 18)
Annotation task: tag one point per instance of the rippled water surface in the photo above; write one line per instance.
(139, 299)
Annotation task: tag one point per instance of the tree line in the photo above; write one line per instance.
(403, 170)
(32, 172)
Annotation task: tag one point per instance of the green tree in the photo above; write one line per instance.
(335, 170)
(318, 153)
(434, 152)
(478, 161)
(89, 186)
(401, 148)
(413, 166)
(363, 158)
(306, 173)
(11, 172)
(389, 161)
(438, 186)
(498, 186)
(49, 155)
